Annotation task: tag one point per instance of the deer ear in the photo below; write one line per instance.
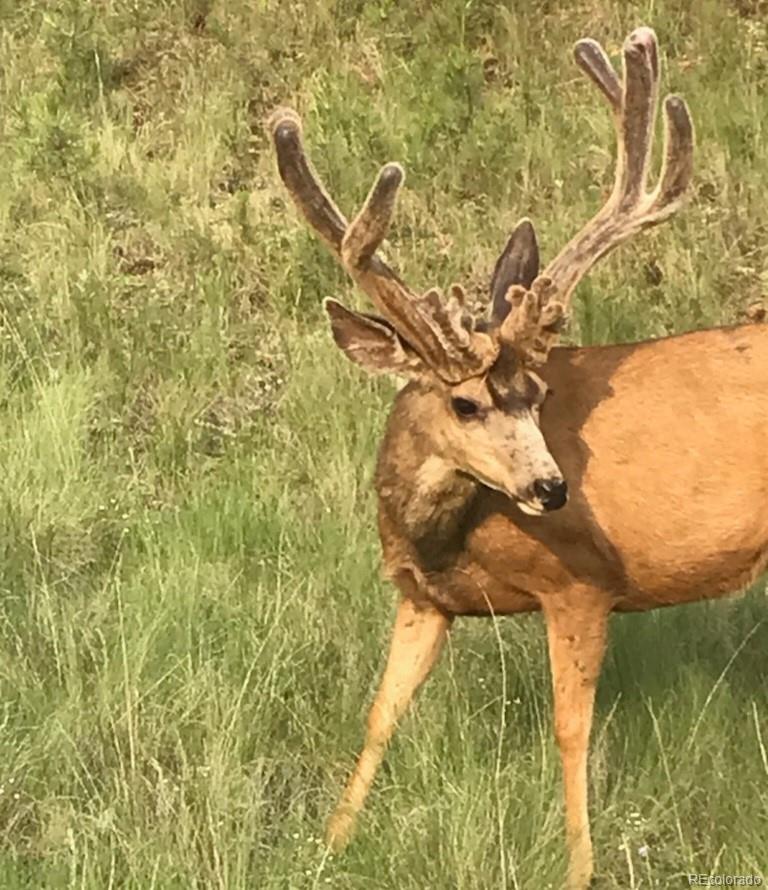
(518, 264)
(372, 342)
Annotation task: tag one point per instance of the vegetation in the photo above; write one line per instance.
(192, 621)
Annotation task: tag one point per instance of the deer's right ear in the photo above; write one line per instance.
(372, 342)
(518, 264)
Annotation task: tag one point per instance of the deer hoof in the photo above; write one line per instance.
(579, 877)
(340, 828)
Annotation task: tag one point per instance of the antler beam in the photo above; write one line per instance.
(630, 207)
(433, 328)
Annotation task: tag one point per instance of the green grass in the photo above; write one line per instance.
(191, 619)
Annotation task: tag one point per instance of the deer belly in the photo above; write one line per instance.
(668, 559)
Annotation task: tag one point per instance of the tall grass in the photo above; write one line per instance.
(191, 616)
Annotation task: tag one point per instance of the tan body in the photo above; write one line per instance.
(665, 447)
(515, 476)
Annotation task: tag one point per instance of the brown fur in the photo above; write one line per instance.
(662, 444)
(634, 441)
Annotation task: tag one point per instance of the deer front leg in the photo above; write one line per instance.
(417, 639)
(576, 632)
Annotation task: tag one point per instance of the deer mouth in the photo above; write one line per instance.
(530, 508)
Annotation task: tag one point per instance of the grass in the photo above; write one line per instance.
(191, 619)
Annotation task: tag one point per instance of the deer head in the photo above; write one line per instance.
(481, 372)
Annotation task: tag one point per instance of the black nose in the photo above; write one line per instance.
(552, 493)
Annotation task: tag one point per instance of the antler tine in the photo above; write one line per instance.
(370, 226)
(677, 171)
(302, 182)
(433, 329)
(641, 83)
(630, 208)
(592, 59)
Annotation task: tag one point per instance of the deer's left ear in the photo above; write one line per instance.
(518, 264)
(372, 342)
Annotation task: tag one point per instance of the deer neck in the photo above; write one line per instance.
(425, 497)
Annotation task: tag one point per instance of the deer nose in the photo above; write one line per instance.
(551, 493)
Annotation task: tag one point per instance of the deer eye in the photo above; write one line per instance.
(464, 407)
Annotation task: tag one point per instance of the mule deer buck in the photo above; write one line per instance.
(516, 475)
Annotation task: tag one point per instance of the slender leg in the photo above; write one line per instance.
(417, 639)
(577, 639)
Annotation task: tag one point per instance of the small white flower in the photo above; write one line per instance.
(642, 852)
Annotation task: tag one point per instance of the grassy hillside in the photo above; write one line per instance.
(191, 617)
